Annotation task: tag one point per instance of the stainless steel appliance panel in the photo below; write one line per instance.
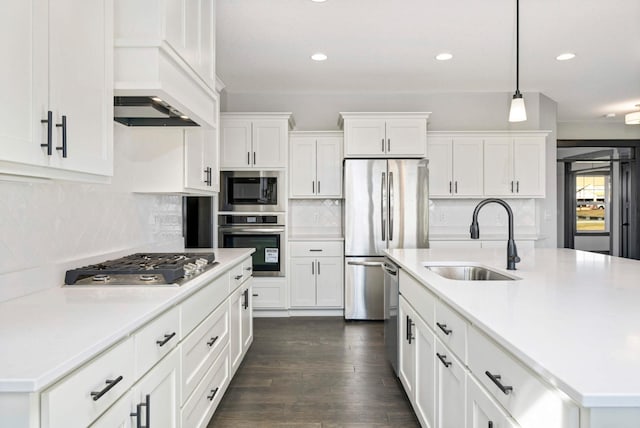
(391, 303)
(408, 193)
(365, 212)
(364, 288)
(251, 191)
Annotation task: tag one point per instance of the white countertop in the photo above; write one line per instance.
(574, 317)
(316, 237)
(483, 237)
(45, 335)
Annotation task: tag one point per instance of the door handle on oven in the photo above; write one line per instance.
(251, 229)
(366, 263)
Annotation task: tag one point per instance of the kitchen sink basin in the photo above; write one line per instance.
(469, 273)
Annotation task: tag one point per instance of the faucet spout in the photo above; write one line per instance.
(512, 251)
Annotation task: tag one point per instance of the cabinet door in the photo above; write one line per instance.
(23, 84)
(81, 84)
(235, 329)
(210, 158)
(158, 390)
(118, 415)
(482, 411)
(467, 167)
(498, 166)
(425, 372)
(269, 143)
(195, 175)
(406, 349)
(329, 280)
(235, 143)
(406, 137)
(440, 167)
(451, 387)
(529, 166)
(365, 137)
(329, 167)
(303, 281)
(303, 167)
(247, 316)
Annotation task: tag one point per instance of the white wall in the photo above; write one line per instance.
(48, 227)
(599, 130)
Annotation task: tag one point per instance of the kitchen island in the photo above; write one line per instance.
(79, 349)
(571, 319)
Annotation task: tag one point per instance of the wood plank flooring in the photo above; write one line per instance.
(315, 373)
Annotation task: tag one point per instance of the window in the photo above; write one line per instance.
(591, 202)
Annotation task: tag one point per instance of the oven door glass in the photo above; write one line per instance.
(267, 255)
(252, 190)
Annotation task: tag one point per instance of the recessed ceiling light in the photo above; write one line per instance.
(318, 1)
(444, 56)
(565, 56)
(318, 57)
(610, 115)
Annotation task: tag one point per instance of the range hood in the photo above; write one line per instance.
(148, 111)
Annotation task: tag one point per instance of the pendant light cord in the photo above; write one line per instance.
(517, 46)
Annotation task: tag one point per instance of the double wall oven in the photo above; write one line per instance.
(251, 207)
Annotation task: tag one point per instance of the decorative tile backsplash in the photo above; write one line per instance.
(49, 224)
(315, 216)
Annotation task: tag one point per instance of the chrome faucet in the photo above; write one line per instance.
(512, 251)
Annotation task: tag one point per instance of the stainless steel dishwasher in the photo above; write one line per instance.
(391, 299)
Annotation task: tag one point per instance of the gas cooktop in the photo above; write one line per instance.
(153, 269)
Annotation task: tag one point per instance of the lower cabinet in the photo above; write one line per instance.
(451, 386)
(317, 274)
(483, 411)
(241, 326)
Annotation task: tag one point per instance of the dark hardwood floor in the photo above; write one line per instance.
(313, 373)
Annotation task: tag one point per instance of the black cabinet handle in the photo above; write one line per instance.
(110, 384)
(388, 145)
(237, 277)
(444, 328)
(245, 304)
(49, 122)
(512, 187)
(212, 341)
(456, 186)
(450, 187)
(443, 358)
(318, 187)
(138, 413)
(313, 187)
(506, 390)
(248, 269)
(382, 145)
(490, 425)
(255, 294)
(318, 267)
(167, 337)
(213, 394)
(254, 158)
(63, 125)
(248, 158)
(315, 251)
(409, 330)
(518, 186)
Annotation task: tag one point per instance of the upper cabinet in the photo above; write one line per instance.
(59, 121)
(487, 164)
(384, 135)
(254, 140)
(166, 49)
(315, 165)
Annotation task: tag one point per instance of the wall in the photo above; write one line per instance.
(599, 130)
(49, 227)
(449, 112)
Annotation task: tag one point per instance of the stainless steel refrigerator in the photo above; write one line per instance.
(386, 206)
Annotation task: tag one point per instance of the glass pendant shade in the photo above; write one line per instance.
(632, 118)
(517, 113)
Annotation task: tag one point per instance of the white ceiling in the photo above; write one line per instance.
(389, 46)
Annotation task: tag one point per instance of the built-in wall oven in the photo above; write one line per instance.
(250, 191)
(264, 232)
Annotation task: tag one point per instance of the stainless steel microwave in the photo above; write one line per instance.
(251, 191)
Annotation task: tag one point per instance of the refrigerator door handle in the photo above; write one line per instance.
(383, 186)
(391, 203)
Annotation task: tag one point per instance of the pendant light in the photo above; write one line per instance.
(633, 118)
(517, 113)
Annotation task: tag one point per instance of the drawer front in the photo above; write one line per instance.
(268, 296)
(70, 402)
(240, 273)
(155, 340)
(202, 347)
(483, 411)
(205, 399)
(451, 328)
(197, 307)
(316, 248)
(420, 297)
(530, 401)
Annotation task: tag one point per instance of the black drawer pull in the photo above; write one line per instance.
(237, 277)
(248, 269)
(63, 125)
(255, 294)
(49, 122)
(110, 384)
(167, 337)
(443, 358)
(314, 250)
(496, 379)
(213, 394)
(212, 341)
(444, 328)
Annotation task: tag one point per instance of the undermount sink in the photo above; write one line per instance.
(468, 273)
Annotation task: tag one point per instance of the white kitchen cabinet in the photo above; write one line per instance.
(241, 324)
(384, 134)
(451, 386)
(316, 274)
(455, 166)
(59, 123)
(514, 166)
(254, 140)
(168, 160)
(315, 165)
(425, 373)
(269, 293)
(482, 411)
(406, 352)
